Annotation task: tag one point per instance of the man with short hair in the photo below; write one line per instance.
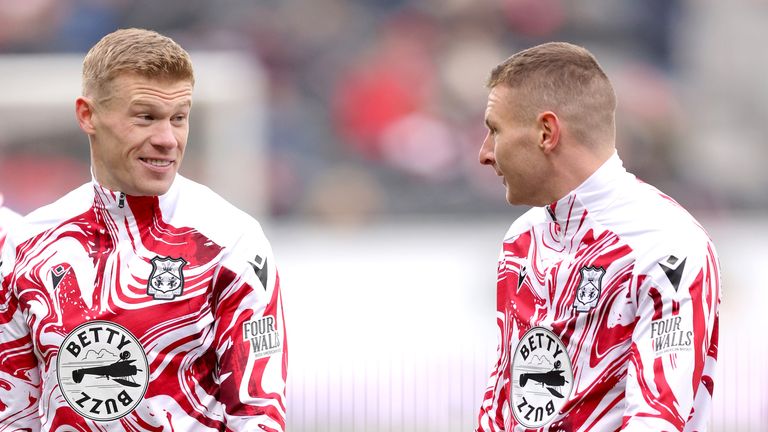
(141, 300)
(608, 290)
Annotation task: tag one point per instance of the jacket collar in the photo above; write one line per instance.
(595, 194)
(119, 203)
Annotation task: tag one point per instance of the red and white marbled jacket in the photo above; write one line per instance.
(141, 313)
(607, 306)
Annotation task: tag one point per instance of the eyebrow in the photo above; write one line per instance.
(150, 104)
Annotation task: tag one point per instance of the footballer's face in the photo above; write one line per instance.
(138, 132)
(511, 148)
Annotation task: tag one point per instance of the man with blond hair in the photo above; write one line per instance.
(608, 290)
(141, 300)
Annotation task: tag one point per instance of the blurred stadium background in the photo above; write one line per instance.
(350, 129)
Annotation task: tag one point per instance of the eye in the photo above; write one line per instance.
(145, 117)
(491, 128)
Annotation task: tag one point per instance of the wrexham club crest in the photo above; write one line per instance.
(588, 292)
(166, 280)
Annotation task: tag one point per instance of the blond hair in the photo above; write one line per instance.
(134, 51)
(565, 79)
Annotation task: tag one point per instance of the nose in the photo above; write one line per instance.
(163, 135)
(486, 155)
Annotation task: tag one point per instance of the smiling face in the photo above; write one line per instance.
(511, 148)
(138, 133)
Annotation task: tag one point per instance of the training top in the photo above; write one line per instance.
(607, 307)
(141, 314)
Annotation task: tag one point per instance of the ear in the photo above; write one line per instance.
(549, 131)
(84, 111)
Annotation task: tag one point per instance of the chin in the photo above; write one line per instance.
(516, 201)
(511, 200)
(153, 190)
(158, 192)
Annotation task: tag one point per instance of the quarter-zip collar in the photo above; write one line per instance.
(117, 203)
(592, 196)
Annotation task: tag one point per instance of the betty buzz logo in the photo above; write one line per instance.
(542, 378)
(102, 371)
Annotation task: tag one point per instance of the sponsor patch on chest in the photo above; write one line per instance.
(541, 378)
(102, 371)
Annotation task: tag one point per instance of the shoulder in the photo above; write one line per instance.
(524, 223)
(199, 207)
(9, 221)
(654, 225)
(49, 216)
(8, 218)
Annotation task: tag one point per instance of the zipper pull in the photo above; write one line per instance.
(551, 214)
(121, 203)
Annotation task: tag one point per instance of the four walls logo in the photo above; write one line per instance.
(166, 280)
(263, 335)
(671, 335)
(102, 371)
(542, 378)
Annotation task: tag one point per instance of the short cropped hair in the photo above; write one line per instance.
(134, 51)
(563, 78)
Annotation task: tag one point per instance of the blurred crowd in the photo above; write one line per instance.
(375, 108)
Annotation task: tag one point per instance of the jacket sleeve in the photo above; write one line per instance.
(19, 374)
(674, 344)
(250, 337)
(496, 396)
(495, 403)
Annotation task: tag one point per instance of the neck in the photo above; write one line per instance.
(574, 167)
